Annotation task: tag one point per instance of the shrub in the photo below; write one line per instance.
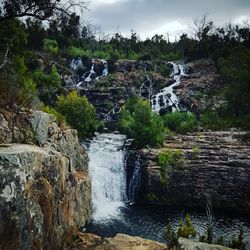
(166, 160)
(139, 122)
(212, 120)
(180, 122)
(239, 242)
(79, 113)
(59, 117)
(50, 45)
(186, 228)
(171, 235)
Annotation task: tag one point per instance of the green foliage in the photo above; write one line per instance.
(151, 197)
(212, 120)
(239, 242)
(139, 122)
(59, 117)
(186, 228)
(27, 87)
(180, 122)
(196, 151)
(168, 159)
(235, 70)
(79, 113)
(50, 45)
(171, 235)
(76, 52)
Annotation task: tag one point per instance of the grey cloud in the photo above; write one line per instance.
(143, 16)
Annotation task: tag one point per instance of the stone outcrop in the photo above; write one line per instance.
(215, 164)
(186, 244)
(45, 190)
(200, 89)
(86, 241)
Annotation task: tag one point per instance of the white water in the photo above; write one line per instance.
(108, 174)
(90, 75)
(167, 98)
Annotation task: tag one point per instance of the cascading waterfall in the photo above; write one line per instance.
(167, 99)
(135, 181)
(90, 75)
(108, 174)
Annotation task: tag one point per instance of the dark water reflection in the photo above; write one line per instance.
(149, 222)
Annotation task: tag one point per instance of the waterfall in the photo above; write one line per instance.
(108, 173)
(135, 181)
(90, 75)
(167, 99)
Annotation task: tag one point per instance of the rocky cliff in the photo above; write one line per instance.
(45, 190)
(215, 164)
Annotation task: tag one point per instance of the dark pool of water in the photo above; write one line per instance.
(150, 221)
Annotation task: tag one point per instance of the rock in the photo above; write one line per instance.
(5, 132)
(186, 244)
(41, 198)
(40, 123)
(212, 163)
(44, 191)
(119, 242)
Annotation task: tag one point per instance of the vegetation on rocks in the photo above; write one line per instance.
(139, 122)
(79, 113)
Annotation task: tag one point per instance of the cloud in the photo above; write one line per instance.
(161, 16)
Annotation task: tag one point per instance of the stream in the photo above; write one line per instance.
(114, 213)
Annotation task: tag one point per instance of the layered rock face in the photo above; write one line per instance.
(201, 88)
(214, 164)
(45, 190)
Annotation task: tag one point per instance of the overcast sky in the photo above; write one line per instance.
(148, 17)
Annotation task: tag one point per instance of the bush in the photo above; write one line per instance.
(79, 113)
(180, 122)
(239, 242)
(186, 228)
(139, 122)
(171, 235)
(50, 45)
(212, 120)
(166, 160)
(59, 117)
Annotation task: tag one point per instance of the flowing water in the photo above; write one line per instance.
(167, 99)
(108, 174)
(112, 210)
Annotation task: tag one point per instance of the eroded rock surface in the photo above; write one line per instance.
(212, 163)
(45, 192)
(186, 244)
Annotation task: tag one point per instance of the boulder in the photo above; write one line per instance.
(41, 197)
(186, 244)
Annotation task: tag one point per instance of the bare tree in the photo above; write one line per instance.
(199, 25)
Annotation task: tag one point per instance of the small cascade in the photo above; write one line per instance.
(167, 100)
(99, 68)
(76, 63)
(146, 87)
(135, 181)
(108, 174)
(91, 73)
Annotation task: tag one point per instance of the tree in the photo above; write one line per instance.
(39, 9)
(140, 123)
(79, 113)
